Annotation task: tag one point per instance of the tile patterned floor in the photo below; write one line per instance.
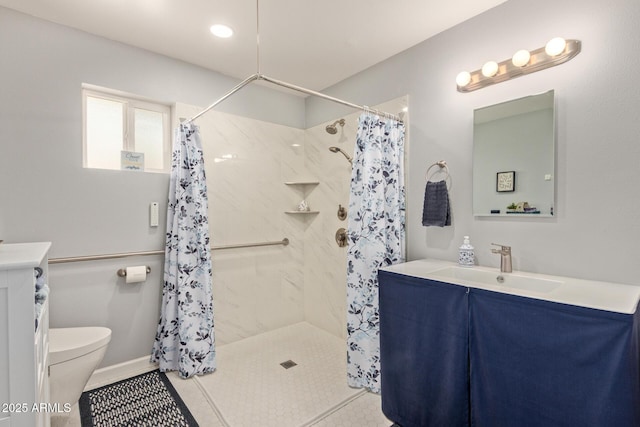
(364, 411)
(250, 388)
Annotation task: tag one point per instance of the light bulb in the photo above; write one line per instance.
(555, 46)
(221, 31)
(463, 78)
(490, 69)
(521, 58)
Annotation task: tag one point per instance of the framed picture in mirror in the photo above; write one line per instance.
(505, 181)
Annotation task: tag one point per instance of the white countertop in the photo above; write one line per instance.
(615, 297)
(22, 255)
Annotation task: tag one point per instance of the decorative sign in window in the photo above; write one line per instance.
(131, 161)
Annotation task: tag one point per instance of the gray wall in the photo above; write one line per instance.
(596, 231)
(46, 195)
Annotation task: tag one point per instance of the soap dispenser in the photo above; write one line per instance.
(466, 255)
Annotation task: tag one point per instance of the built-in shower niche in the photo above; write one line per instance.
(302, 189)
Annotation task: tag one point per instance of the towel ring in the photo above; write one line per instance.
(442, 164)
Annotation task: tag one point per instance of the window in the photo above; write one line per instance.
(116, 125)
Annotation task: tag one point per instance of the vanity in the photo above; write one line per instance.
(473, 346)
(24, 347)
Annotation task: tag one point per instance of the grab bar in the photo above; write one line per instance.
(283, 242)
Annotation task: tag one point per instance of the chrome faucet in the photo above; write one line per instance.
(505, 257)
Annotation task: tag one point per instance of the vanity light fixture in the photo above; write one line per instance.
(463, 79)
(555, 46)
(521, 58)
(490, 69)
(555, 52)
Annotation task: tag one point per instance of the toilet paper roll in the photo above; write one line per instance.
(136, 274)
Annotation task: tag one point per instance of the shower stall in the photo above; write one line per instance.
(281, 309)
(257, 174)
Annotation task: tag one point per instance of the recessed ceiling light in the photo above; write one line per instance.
(221, 31)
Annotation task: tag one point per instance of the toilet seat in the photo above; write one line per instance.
(69, 343)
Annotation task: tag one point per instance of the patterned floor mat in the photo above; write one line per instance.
(145, 400)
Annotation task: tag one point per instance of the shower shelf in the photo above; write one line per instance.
(302, 183)
(303, 191)
(302, 212)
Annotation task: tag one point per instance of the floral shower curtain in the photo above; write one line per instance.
(376, 238)
(185, 338)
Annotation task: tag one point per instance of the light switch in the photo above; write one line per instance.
(547, 177)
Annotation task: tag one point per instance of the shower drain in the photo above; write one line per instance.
(288, 364)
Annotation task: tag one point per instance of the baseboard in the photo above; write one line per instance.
(120, 371)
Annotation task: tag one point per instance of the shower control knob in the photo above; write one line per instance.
(342, 213)
(341, 237)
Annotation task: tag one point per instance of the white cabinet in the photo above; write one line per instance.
(24, 380)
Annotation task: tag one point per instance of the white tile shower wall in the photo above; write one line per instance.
(247, 162)
(325, 263)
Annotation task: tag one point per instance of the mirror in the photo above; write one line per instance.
(514, 158)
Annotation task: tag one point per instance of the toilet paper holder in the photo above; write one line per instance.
(123, 271)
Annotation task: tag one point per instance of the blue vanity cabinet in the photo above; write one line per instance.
(538, 363)
(457, 356)
(423, 351)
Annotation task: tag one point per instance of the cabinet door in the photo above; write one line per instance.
(18, 376)
(538, 363)
(423, 351)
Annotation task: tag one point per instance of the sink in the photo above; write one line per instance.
(509, 280)
(615, 297)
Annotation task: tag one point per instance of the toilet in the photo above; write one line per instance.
(74, 353)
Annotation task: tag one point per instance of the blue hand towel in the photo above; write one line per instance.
(436, 210)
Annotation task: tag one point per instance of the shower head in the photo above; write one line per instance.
(332, 129)
(339, 150)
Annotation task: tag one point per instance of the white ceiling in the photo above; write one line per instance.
(310, 43)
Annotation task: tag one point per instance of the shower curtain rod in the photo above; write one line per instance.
(259, 76)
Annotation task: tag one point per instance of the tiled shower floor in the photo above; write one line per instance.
(250, 388)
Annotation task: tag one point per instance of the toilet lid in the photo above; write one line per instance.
(68, 343)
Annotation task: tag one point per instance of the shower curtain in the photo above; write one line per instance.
(185, 337)
(376, 238)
